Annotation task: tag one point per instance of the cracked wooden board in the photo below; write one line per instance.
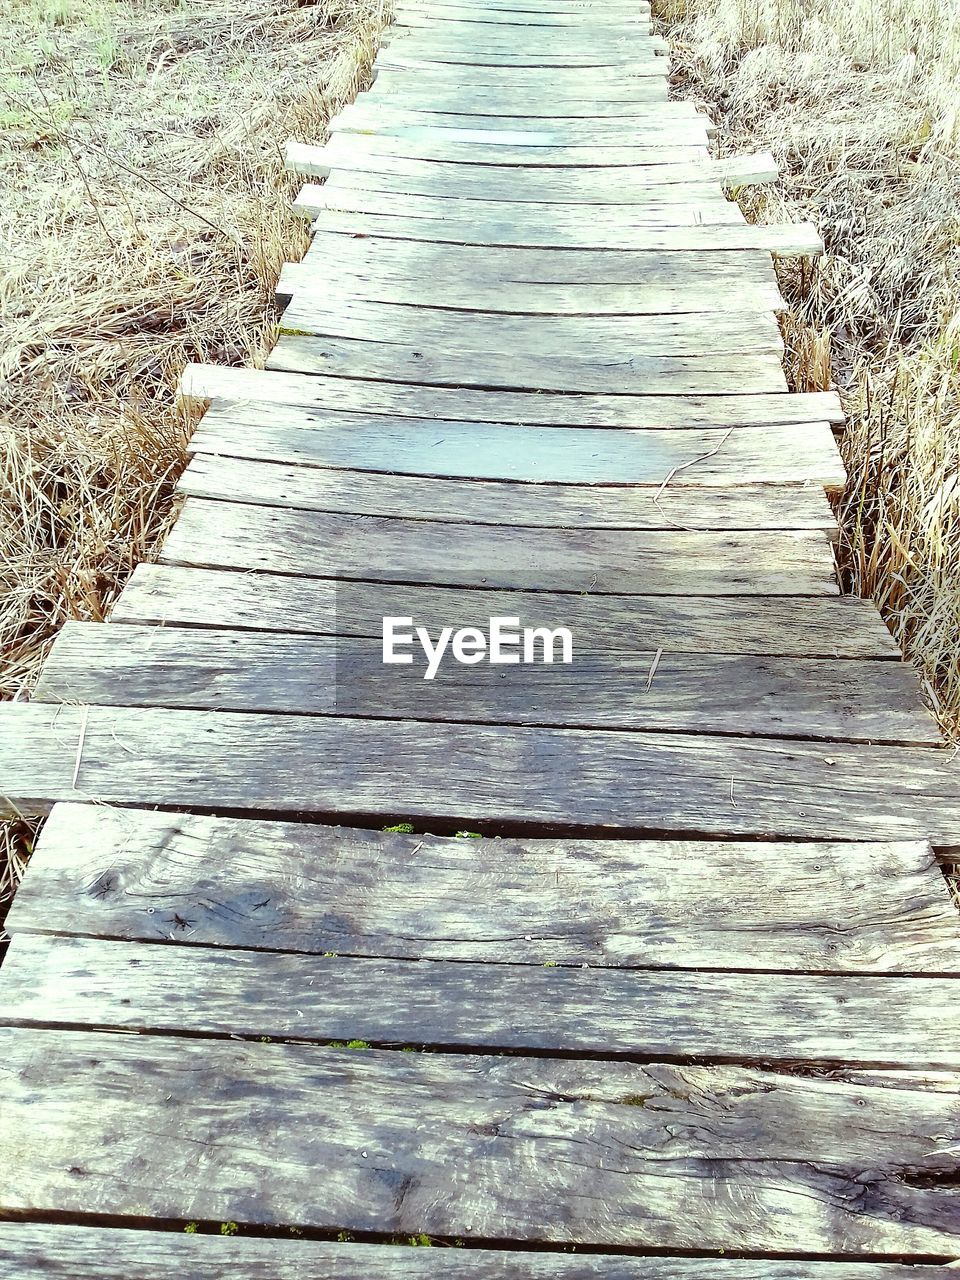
(719, 373)
(701, 459)
(789, 626)
(128, 874)
(646, 689)
(277, 484)
(782, 239)
(312, 160)
(83, 1253)
(675, 563)
(595, 337)
(469, 1147)
(852, 1021)
(491, 778)
(463, 404)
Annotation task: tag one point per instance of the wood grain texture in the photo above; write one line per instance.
(229, 670)
(620, 187)
(318, 308)
(474, 1148)
(205, 381)
(500, 779)
(81, 1253)
(697, 207)
(396, 67)
(275, 484)
(633, 25)
(314, 161)
(217, 535)
(721, 372)
(131, 874)
(650, 123)
(826, 626)
(862, 1020)
(782, 239)
(593, 455)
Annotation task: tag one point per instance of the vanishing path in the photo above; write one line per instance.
(691, 991)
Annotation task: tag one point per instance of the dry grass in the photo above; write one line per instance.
(861, 104)
(144, 220)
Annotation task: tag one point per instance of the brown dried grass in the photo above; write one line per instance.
(144, 220)
(860, 103)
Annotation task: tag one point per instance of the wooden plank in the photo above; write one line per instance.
(489, 183)
(227, 535)
(574, 336)
(782, 238)
(649, 123)
(594, 46)
(552, 281)
(312, 200)
(634, 24)
(395, 68)
(476, 1148)
(756, 372)
(853, 1021)
(29, 1250)
(624, 184)
(205, 382)
(353, 151)
(621, 11)
(650, 102)
(313, 161)
(217, 475)
(769, 697)
(596, 56)
(128, 874)
(760, 455)
(837, 627)
(562, 778)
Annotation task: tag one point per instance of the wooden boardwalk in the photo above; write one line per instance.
(679, 1000)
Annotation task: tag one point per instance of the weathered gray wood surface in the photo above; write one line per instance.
(29, 1251)
(272, 539)
(352, 357)
(286, 1134)
(645, 690)
(825, 626)
(132, 874)
(649, 122)
(444, 145)
(397, 63)
(535, 186)
(853, 1020)
(633, 25)
(784, 239)
(471, 405)
(491, 776)
(702, 459)
(253, 480)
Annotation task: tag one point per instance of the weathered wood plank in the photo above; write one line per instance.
(570, 455)
(527, 281)
(851, 1020)
(709, 211)
(478, 1148)
(313, 161)
(397, 156)
(503, 779)
(396, 64)
(782, 239)
(447, 51)
(207, 381)
(338, 312)
(697, 182)
(723, 372)
(229, 670)
(653, 123)
(218, 475)
(28, 1250)
(129, 874)
(826, 626)
(632, 24)
(587, 46)
(222, 535)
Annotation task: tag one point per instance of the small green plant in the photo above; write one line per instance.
(469, 835)
(400, 829)
(191, 1228)
(357, 1044)
(344, 1237)
(229, 1228)
(421, 1241)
